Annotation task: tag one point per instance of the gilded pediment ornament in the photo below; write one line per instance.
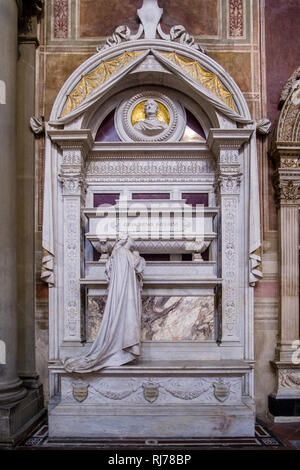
(202, 76)
(97, 77)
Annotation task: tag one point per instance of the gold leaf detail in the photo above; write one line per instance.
(207, 79)
(138, 113)
(97, 77)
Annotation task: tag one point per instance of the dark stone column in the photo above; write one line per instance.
(19, 407)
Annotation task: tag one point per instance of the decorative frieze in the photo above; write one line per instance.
(229, 157)
(161, 390)
(289, 378)
(149, 170)
(293, 162)
(72, 157)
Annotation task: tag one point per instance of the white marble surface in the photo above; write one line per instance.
(183, 421)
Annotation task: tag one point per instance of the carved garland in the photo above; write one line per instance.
(211, 390)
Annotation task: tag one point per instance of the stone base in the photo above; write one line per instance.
(284, 410)
(153, 400)
(90, 422)
(18, 419)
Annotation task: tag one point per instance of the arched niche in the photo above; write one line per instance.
(223, 167)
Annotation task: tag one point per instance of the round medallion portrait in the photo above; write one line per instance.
(149, 116)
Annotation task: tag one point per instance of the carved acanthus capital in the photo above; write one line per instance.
(73, 185)
(229, 183)
(288, 191)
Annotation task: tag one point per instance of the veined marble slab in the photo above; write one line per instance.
(165, 318)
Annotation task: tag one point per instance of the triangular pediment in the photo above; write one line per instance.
(149, 50)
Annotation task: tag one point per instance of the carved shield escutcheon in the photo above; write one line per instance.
(80, 391)
(221, 390)
(150, 391)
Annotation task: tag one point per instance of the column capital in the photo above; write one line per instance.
(29, 12)
(287, 187)
(227, 139)
(229, 183)
(72, 184)
(81, 139)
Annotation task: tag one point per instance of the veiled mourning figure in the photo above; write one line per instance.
(151, 125)
(118, 340)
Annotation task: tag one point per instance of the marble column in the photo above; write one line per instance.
(289, 287)
(26, 71)
(225, 145)
(289, 200)
(284, 402)
(19, 408)
(72, 182)
(11, 387)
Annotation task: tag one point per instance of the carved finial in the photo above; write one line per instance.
(150, 15)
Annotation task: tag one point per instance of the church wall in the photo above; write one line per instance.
(280, 60)
(233, 33)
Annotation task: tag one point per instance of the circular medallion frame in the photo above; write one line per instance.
(169, 112)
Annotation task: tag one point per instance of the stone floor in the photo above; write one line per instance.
(268, 436)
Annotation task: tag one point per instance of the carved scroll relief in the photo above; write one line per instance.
(72, 182)
(229, 184)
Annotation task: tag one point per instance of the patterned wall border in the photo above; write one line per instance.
(234, 24)
(60, 14)
(236, 19)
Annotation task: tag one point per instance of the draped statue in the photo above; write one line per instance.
(118, 339)
(151, 125)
